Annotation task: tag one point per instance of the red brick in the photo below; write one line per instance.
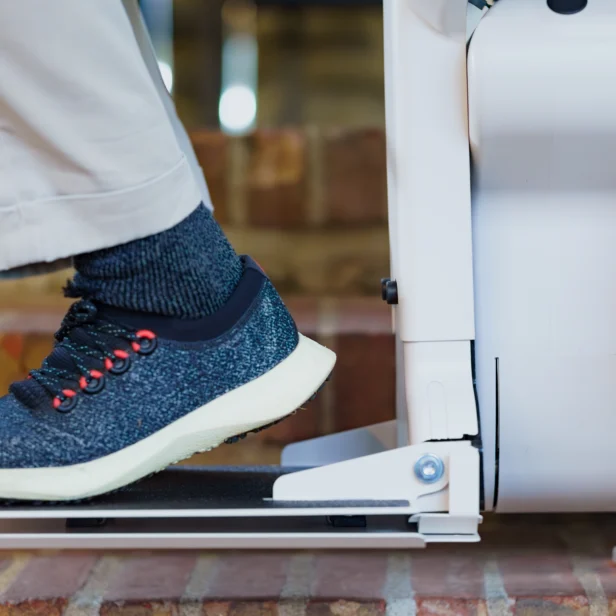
(440, 572)
(350, 576)
(451, 607)
(51, 607)
(216, 608)
(346, 608)
(145, 608)
(252, 608)
(558, 606)
(250, 576)
(151, 577)
(364, 380)
(212, 149)
(276, 179)
(356, 176)
(50, 577)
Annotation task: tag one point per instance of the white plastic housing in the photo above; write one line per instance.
(542, 109)
(429, 168)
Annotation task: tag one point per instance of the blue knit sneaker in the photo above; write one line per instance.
(125, 394)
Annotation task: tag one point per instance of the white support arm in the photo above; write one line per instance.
(429, 168)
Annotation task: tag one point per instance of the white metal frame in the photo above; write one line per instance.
(388, 475)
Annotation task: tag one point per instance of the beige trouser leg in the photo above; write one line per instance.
(88, 154)
(147, 52)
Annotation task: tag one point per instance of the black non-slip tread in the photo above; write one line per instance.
(91, 499)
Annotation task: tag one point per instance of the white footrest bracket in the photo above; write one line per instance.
(441, 478)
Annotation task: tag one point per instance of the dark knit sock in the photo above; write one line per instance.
(188, 271)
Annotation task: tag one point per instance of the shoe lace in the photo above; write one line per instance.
(84, 341)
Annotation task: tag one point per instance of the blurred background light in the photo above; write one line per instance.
(238, 108)
(158, 16)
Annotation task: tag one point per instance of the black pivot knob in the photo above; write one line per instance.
(567, 7)
(389, 291)
(384, 282)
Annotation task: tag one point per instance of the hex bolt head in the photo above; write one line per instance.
(429, 468)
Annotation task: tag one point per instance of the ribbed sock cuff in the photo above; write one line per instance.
(188, 271)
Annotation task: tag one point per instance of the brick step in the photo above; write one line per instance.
(360, 392)
(525, 565)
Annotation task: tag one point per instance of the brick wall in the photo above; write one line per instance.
(320, 65)
(311, 207)
(316, 65)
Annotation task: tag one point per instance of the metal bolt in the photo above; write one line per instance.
(429, 468)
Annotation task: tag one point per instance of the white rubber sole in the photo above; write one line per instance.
(258, 403)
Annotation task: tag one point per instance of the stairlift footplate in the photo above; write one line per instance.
(226, 508)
